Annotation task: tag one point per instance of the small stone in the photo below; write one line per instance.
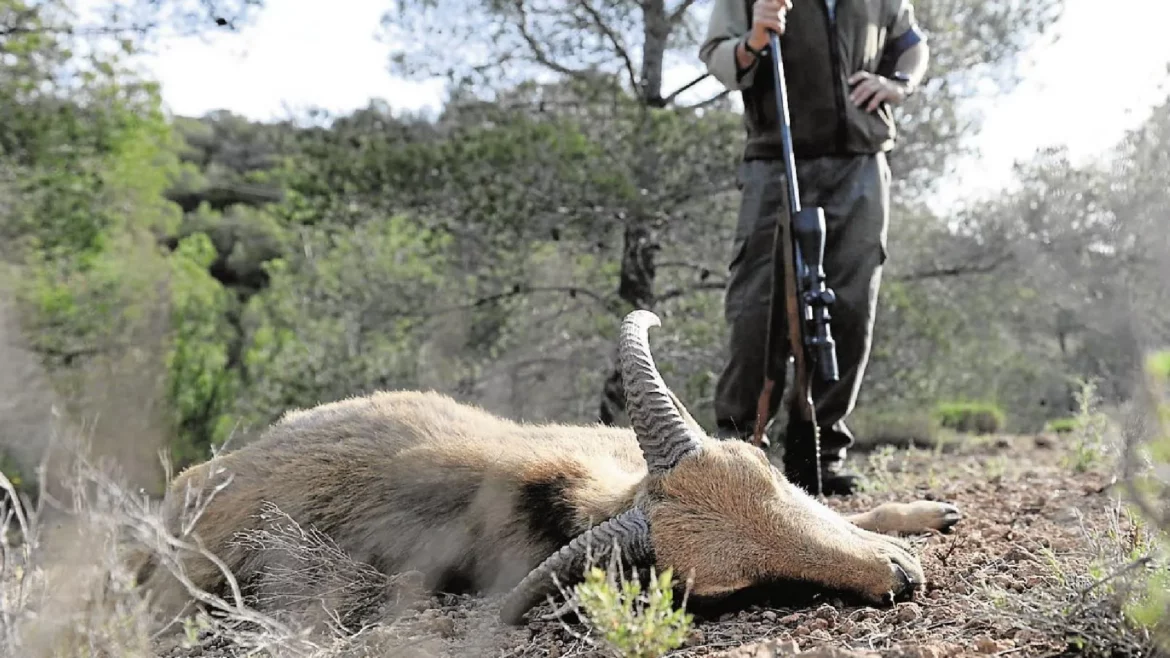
(787, 647)
(444, 626)
(908, 612)
(762, 649)
(791, 619)
(928, 651)
(695, 637)
(768, 615)
(987, 645)
(835, 652)
(827, 612)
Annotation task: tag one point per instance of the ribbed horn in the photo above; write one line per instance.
(663, 433)
(629, 531)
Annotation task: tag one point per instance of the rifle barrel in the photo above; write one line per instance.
(781, 88)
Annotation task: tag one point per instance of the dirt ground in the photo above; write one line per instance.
(1026, 573)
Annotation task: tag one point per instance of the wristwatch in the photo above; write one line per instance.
(904, 78)
(748, 47)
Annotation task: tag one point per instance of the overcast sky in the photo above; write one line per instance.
(1083, 91)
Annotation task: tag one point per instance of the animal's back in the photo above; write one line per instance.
(415, 480)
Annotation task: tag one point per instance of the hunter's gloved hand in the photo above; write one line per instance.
(875, 89)
(767, 16)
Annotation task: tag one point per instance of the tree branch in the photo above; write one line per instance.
(519, 290)
(703, 270)
(698, 287)
(677, 14)
(621, 51)
(674, 94)
(66, 356)
(710, 101)
(538, 53)
(958, 270)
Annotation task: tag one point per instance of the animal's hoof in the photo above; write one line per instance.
(950, 517)
(904, 585)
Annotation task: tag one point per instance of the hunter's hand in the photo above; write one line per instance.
(875, 89)
(767, 16)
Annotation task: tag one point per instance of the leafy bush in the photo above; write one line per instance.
(1089, 442)
(970, 417)
(1062, 425)
(896, 428)
(10, 470)
(633, 624)
(1150, 605)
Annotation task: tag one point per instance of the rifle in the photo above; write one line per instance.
(798, 265)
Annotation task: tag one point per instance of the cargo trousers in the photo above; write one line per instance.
(854, 193)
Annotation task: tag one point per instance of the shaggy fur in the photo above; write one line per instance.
(417, 481)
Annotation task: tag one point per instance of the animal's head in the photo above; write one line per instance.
(716, 512)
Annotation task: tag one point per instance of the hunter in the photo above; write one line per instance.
(847, 63)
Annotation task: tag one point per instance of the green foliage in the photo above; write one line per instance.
(346, 314)
(970, 417)
(633, 624)
(1089, 435)
(1062, 425)
(898, 428)
(11, 471)
(1149, 607)
(202, 386)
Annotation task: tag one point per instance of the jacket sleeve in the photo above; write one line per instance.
(729, 21)
(905, 32)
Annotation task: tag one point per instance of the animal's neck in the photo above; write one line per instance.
(595, 500)
(561, 500)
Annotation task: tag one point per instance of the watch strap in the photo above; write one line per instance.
(904, 78)
(748, 47)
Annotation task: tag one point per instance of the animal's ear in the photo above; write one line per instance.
(629, 532)
(686, 415)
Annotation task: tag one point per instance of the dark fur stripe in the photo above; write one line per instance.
(546, 510)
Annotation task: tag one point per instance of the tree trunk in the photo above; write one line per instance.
(655, 32)
(636, 290)
(639, 244)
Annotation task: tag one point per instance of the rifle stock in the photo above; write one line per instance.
(798, 248)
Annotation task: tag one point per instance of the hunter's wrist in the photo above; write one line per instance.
(905, 82)
(752, 47)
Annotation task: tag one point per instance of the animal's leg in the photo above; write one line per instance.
(865, 558)
(907, 518)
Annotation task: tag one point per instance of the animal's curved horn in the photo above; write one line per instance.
(686, 415)
(629, 531)
(663, 432)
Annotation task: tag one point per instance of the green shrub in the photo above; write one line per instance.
(1062, 425)
(1149, 606)
(897, 428)
(633, 624)
(20, 484)
(1088, 438)
(11, 471)
(970, 417)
